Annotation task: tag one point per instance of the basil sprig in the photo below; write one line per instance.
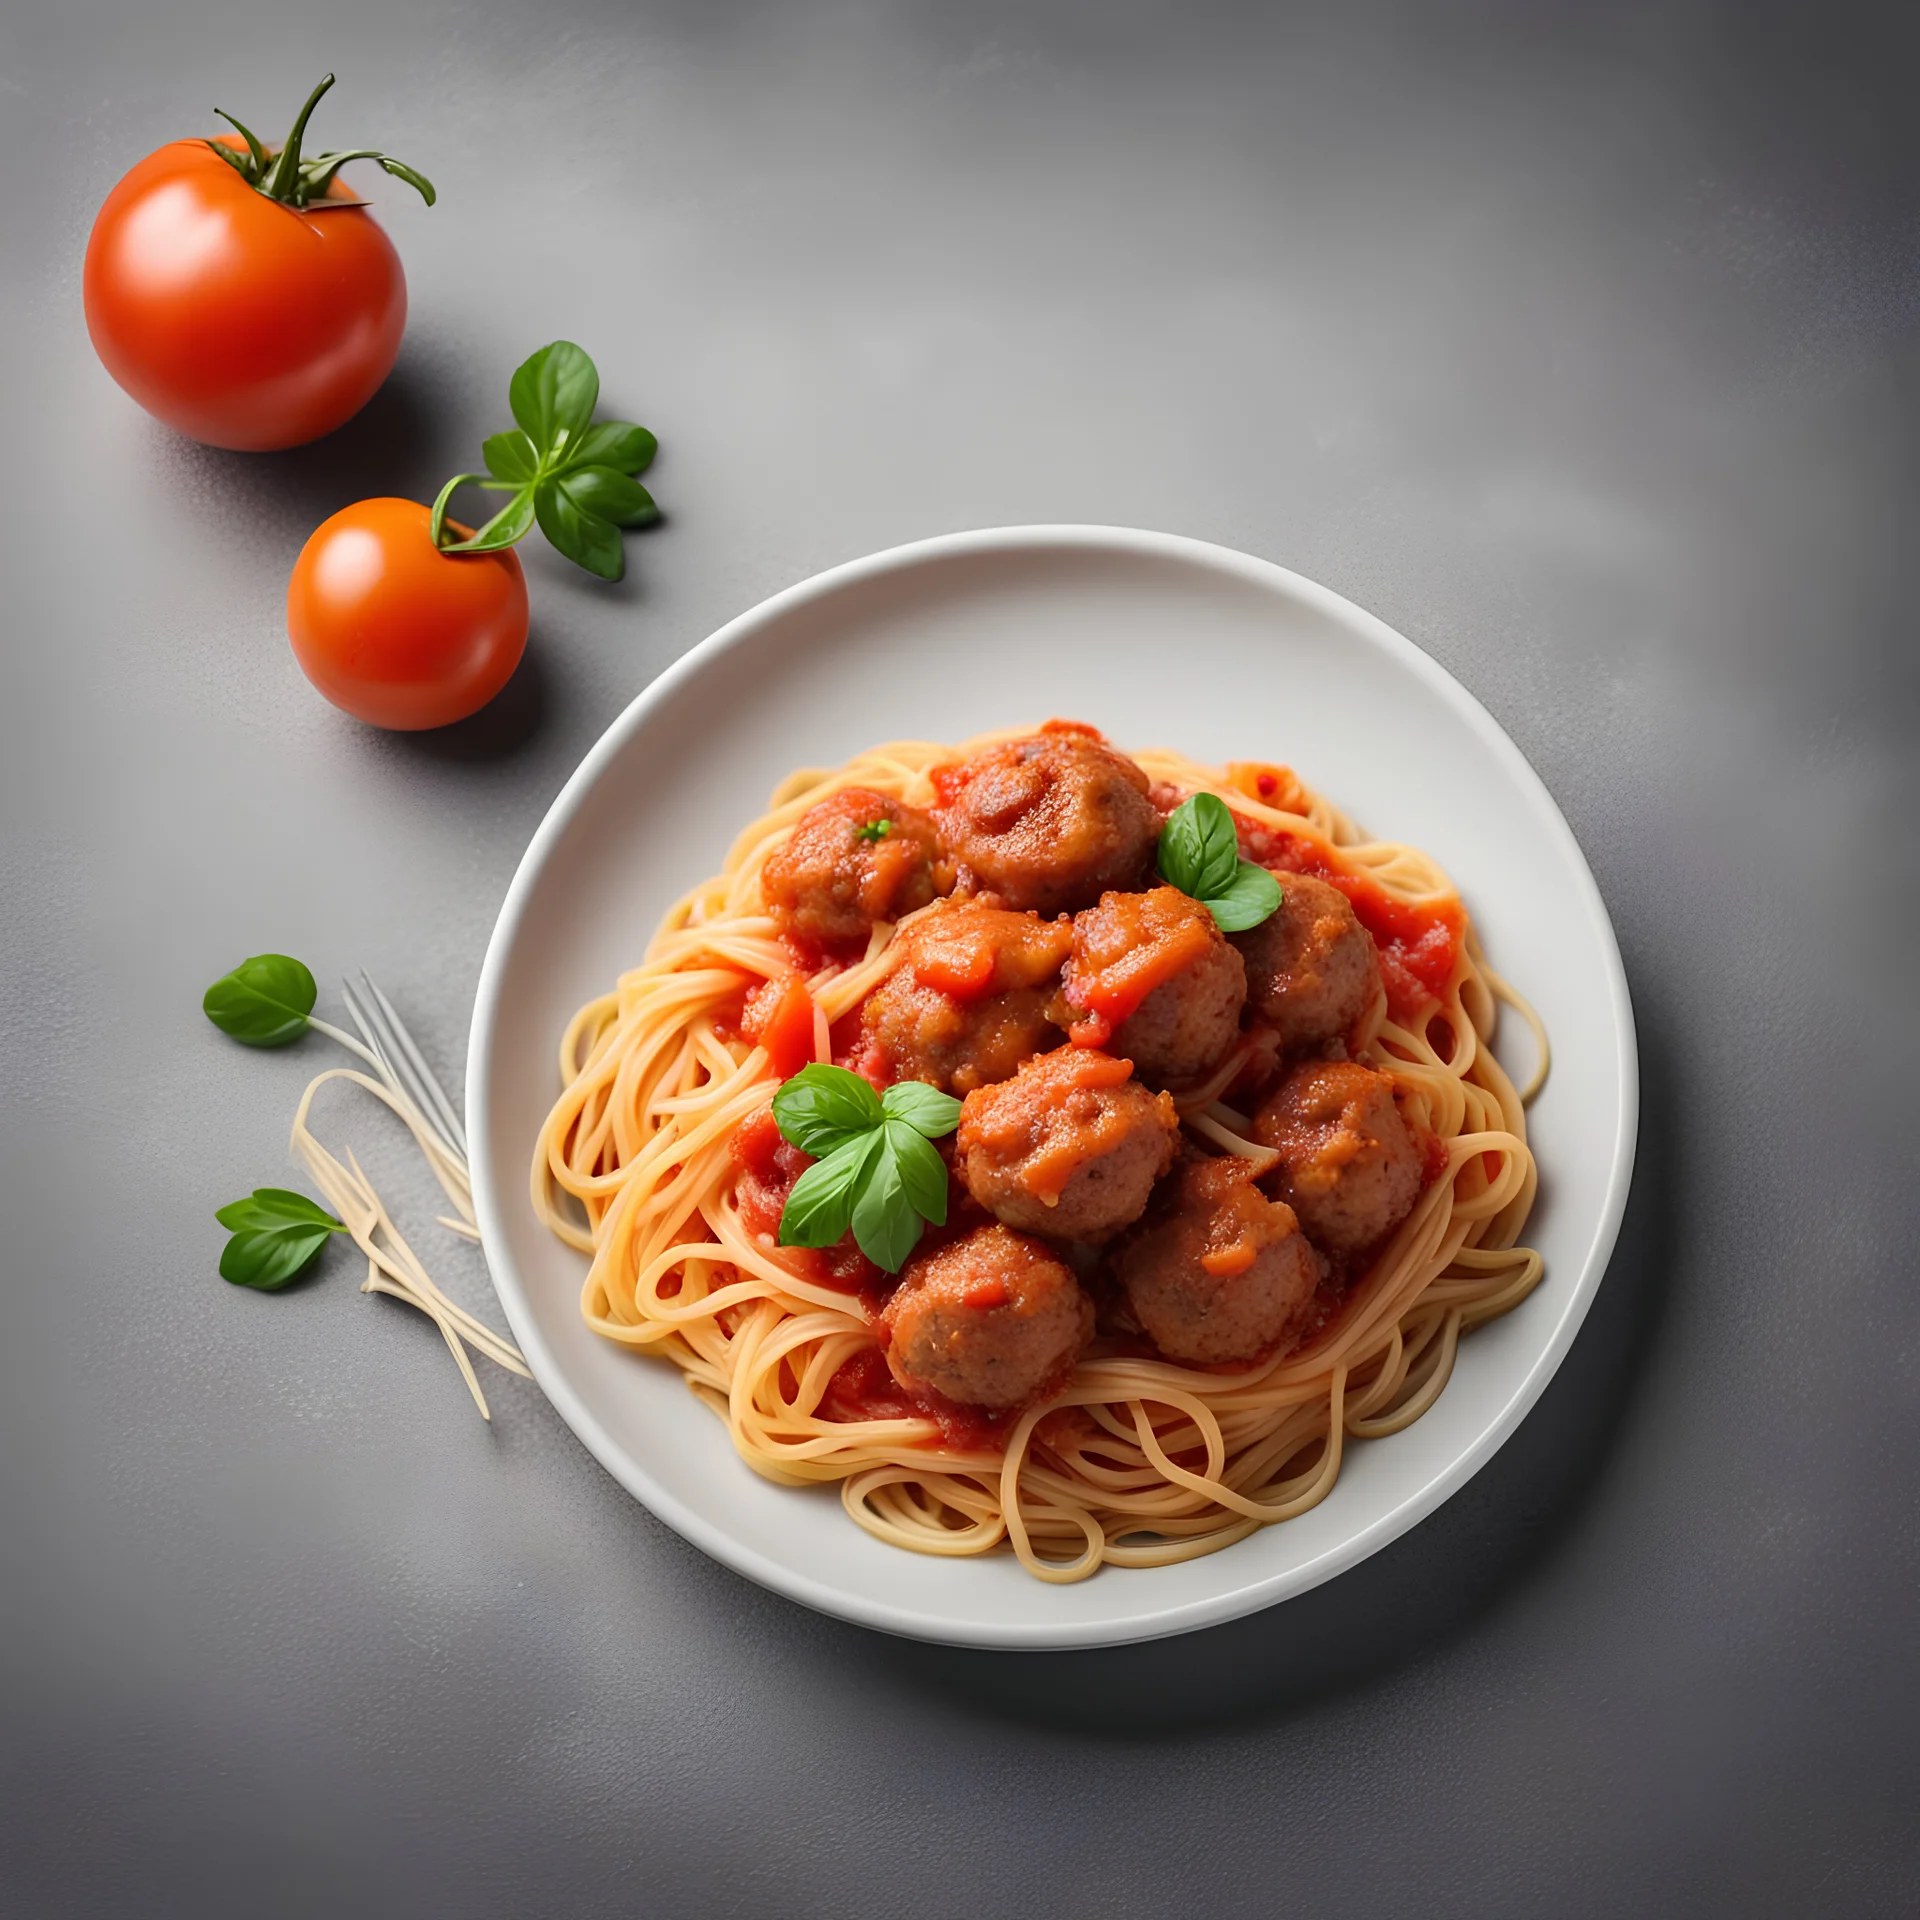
(264, 1002)
(1200, 854)
(876, 1169)
(571, 475)
(277, 1236)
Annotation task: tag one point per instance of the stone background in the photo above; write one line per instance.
(1577, 342)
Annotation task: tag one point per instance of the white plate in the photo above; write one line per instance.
(1159, 641)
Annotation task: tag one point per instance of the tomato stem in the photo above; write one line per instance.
(302, 183)
(282, 180)
(256, 152)
(486, 539)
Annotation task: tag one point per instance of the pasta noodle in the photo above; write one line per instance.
(1137, 1461)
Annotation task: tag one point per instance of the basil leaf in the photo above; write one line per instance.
(586, 539)
(611, 495)
(925, 1109)
(618, 444)
(263, 1002)
(881, 1175)
(885, 1224)
(923, 1174)
(277, 1235)
(267, 1261)
(573, 477)
(820, 1206)
(1249, 898)
(552, 395)
(820, 1105)
(510, 456)
(1199, 847)
(269, 1207)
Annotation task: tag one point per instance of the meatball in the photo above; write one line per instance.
(993, 1319)
(969, 1000)
(1050, 822)
(1350, 1165)
(1311, 966)
(855, 859)
(1225, 1273)
(1070, 1146)
(1153, 979)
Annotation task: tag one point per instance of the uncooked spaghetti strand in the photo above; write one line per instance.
(392, 1265)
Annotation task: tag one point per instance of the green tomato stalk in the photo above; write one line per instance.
(303, 183)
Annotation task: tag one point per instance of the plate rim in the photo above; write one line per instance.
(883, 1616)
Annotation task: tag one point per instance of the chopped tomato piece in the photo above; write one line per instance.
(779, 1017)
(958, 960)
(1224, 1262)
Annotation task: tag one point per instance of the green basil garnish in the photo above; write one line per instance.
(1200, 854)
(820, 1107)
(820, 1208)
(885, 1224)
(1247, 899)
(922, 1173)
(264, 1001)
(277, 1236)
(877, 1173)
(925, 1109)
(572, 476)
(1200, 847)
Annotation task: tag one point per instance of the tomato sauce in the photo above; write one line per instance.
(865, 1389)
(1125, 949)
(1261, 780)
(768, 1169)
(1419, 944)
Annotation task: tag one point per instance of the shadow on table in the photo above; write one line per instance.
(392, 446)
(503, 727)
(1412, 1596)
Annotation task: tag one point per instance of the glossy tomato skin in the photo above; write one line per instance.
(239, 321)
(394, 631)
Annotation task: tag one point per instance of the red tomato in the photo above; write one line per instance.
(239, 320)
(394, 631)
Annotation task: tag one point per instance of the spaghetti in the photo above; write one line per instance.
(1136, 1461)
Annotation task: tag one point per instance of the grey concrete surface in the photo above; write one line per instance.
(1578, 342)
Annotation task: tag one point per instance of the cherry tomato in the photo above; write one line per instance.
(250, 302)
(394, 631)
